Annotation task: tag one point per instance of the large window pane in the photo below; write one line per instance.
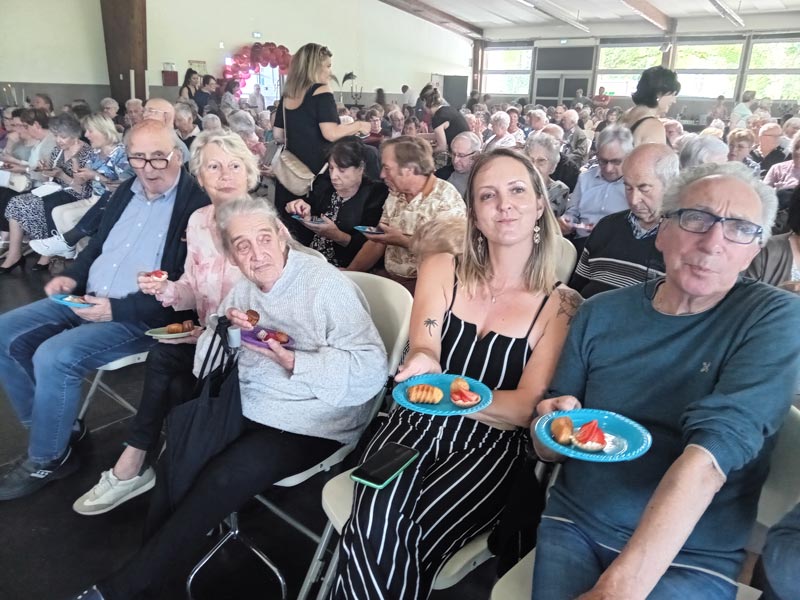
(707, 85)
(618, 84)
(708, 56)
(629, 58)
(775, 55)
(777, 87)
(508, 60)
(499, 83)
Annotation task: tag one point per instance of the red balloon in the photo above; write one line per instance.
(256, 68)
(227, 73)
(270, 46)
(234, 68)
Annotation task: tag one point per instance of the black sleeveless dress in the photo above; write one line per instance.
(398, 538)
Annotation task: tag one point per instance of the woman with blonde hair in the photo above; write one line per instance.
(307, 119)
(495, 313)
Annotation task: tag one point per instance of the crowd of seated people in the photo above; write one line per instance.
(466, 208)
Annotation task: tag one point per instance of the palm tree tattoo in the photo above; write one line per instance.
(430, 324)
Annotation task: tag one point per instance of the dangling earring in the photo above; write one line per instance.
(481, 248)
(536, 237)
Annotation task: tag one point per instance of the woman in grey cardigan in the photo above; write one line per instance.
(300, 405)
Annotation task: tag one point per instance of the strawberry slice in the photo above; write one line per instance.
(158, 274)
(590, 432)
(465, 398)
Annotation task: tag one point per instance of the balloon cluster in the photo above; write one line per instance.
(250, 59)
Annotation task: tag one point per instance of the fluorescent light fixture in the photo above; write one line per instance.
(644, 16)
(727, 12)
(526, 3)
(556, 13)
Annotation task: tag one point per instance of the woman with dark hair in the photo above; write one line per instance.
(229, 103)
(611, 118)
(191, 83)
(778, 263)
(45, 102)
(339, 202)
(380, 98)
(655, 93)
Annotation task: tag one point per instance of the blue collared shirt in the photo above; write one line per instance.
(134, 244)
(595, 198)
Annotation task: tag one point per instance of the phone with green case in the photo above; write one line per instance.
(383, 467)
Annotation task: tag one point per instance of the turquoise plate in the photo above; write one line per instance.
(369, 229)
(60, 299)
(625, 439)
(445, 408)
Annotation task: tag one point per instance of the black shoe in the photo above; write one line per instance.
(38, 267)
(91, 594)
(79, 432)
(26, 477)
(20, 263)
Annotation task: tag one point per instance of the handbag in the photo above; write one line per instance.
(290, 170)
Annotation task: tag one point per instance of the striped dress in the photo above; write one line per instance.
(398, 538)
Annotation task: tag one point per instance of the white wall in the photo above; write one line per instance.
(383, 46)
(52, 41)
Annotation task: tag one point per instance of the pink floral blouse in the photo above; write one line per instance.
(208, 275)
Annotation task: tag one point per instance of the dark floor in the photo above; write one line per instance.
(48, 552)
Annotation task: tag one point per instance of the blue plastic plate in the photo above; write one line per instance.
(625, 439)
(368, 229)
(445, 408)
(60, 299)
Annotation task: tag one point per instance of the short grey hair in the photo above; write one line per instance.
(211, 123)
(241, 122)
(545, 141)
(767, 127)
(699, 150)
(616, 134)
(230, 143)
(249, 206)
(555, 131)
(731, 170)
(793, 122)
(475, 142)
(537, 113)
(571, 115)
(108, 102)
(65, 124)
(396, 112)
(501, 118)
(133, 102)
(183, 109)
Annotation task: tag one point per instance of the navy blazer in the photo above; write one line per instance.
(138, 307)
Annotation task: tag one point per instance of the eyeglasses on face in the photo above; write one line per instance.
(460, 156)
(738, 231)
(159, 163)
(614, 162)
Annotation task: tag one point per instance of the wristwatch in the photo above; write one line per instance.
(97, 178)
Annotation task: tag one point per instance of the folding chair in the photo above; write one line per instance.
(779, 495)
(390, 308)
(97, 382)
(566, 261)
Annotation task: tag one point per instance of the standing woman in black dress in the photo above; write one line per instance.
(446, 123)
(310, 113)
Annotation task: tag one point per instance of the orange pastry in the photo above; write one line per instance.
(425, 394)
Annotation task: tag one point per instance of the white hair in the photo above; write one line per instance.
(108, 102)
(732, 170)
(501, 118)
(183, 109)
(616, 134)
(211, 123)
(133, 102)
(241, 122)
(545, 141)
(701, 150)
(475, 142)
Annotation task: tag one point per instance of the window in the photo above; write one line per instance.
(623, 84)
(775, 55)
(774, 70)
(777, 87)
(707, 85)
(507, 70)
(709, 57)
(631, 58)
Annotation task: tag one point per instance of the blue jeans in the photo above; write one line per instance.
(45, 351)
(568, 564)
(781, 557)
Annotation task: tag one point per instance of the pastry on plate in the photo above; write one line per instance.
(424, 393)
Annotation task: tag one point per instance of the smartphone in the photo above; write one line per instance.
(384, 466)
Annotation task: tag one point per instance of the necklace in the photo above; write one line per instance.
(493, 294)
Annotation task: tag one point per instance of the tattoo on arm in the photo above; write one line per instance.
(569, 302)
(431, 324)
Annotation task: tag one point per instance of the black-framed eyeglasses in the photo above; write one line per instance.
(460, 156)
(159, 163)
(738, 231)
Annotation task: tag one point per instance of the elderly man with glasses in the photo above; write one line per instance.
(706, 361)
(48, 348)
(464, 150)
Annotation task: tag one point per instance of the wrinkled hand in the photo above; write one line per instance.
(418, 363)
(84, 175)
(276, 352)
(391, 236)
(299, 207)
(98, 312)
(60, 285)
(192, 339)
(148, 285)
(238, 319)
(546, 407)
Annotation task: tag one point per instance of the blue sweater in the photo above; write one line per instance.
(722, 379)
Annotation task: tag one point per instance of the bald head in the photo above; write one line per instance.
(153, 152)
(554, 130)
(159, 109)
(570, 119)
(646, 172)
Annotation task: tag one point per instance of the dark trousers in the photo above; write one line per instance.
(6, 194)
(250, 464)
(168, 381)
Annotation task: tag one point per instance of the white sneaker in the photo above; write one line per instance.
(53, 246)
(110, 492)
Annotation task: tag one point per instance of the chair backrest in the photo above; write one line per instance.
(390, 307)
(567, 258)
(781, 491)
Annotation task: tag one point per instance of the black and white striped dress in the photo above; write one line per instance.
(398, 538)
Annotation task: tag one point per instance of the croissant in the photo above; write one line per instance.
(175, 328)
(425, 394)
(561, 429)
(459, 384)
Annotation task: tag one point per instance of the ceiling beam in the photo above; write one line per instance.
(433, 15)
(651, 14)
